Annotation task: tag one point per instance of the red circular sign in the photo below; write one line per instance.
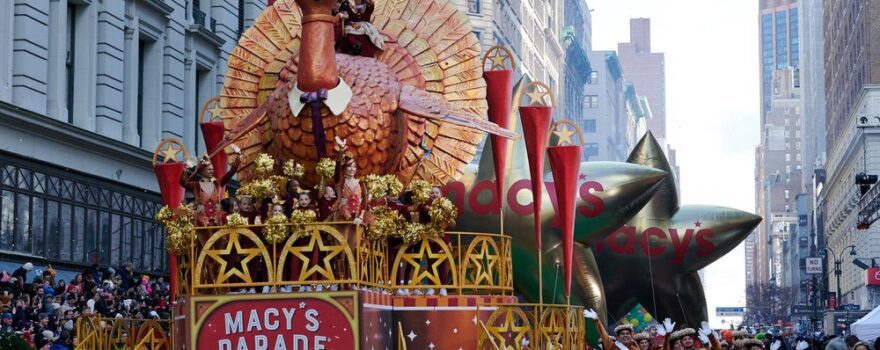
(288, 323)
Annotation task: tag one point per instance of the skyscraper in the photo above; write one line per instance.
(778, 159)
(647, 70)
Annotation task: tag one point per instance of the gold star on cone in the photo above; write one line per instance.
(497, 60)
(215, 111)
(564, 134)
(537, 96)
(170, 153)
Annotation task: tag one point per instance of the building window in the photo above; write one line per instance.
(142, 63)
(591, 149)
(590, 125)
(240, 17)
(69, 63)
(478, 35)
(592, 101)
(67, 218)
(473, 6)
(788, 157)
(594, 78)
(202, 93)
(798, 157)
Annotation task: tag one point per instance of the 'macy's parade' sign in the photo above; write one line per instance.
(288, 323)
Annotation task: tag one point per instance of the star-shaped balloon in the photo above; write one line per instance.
(655, 257)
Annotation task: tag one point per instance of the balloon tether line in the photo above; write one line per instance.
(651, 274)
(555, 282)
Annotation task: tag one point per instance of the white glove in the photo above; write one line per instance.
(589, 313)
(90, 304)
(776, 345)
(666, 327)
(704, 337)
(358, 221)
(705, 331)
(802, 345)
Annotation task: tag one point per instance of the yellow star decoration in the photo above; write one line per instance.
(537, 96)
(565, 135)
(304, 254)
(483, 272)
(150, 341)
(425, 251)
(233, 247)
(170, 153)
(553, 328)
(215, 111)
(497, 60)
(519, 329)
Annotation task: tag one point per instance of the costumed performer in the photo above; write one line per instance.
(623, 332)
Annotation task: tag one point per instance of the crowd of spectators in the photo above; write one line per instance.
(42, 309)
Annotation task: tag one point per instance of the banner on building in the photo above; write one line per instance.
(873, 275)
(729, 311)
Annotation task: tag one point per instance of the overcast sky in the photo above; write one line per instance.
(712, 106)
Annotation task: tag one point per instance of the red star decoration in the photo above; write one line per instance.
(698, 223)
(582, 176)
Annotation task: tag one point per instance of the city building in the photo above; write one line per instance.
(609, 133)
(778, 158)
(578, 70)
(647, 70)
(852, 99)
(87, 91)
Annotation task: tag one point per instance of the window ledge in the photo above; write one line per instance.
(159, 5)
(201, 32)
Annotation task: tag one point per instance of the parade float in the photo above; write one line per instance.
(418, 248)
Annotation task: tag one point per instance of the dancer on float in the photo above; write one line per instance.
(350, 205)
(356, 35)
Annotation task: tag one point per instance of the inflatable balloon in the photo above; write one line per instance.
(655, 257)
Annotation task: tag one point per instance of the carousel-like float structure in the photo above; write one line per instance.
(358, 222)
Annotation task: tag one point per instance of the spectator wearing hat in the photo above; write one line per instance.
(20, 275)
(6, 324)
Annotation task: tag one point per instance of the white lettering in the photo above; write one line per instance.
(242, 344)
(311, 316)
(261, 342)
(224, 344)
(288, 315)
(319, 342)
(279, 343)
(233, 325)
(300, 339)
(254, 322)
(269, 323)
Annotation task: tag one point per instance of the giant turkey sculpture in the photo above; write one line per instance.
(416, 110)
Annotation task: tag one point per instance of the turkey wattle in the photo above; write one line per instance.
(392, 123)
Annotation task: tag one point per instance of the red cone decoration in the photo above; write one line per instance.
(213, 132)
(168, 175)
(536, 123)
(565, 163)
(499, 93)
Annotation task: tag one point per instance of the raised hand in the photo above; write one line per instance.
(589, 313)
(776, 345)
(802, 345)
(705, 330)
(666, 327)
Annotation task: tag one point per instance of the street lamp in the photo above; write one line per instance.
(837, 262)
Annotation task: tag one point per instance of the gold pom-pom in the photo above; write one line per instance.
(179, 226)
(413, 232)
(259, 189)
(264, 165)
(376, 187)
(276, 229)
(299, 218)
(236, 220)
(395, 187)
(386, 222)
(293, 169)
(326, 167)
(421, 191)
(164, 215)
(443, 214)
